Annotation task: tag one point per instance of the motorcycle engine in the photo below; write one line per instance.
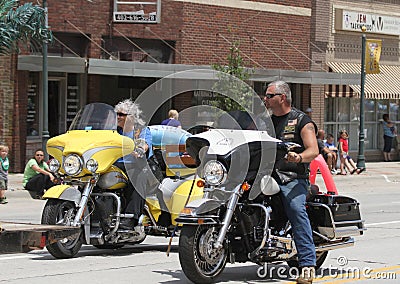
(103, 210)
(251, 221)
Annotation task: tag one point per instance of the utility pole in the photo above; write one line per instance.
(361, 136)
(45, 88)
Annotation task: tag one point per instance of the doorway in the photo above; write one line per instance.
(56, 107)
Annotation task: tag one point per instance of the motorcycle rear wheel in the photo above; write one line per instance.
(200, 262)
(61, 212)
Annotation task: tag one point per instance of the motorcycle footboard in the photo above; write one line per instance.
(336, 216)
(23, 237)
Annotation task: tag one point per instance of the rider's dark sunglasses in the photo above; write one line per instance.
(121, 114)
(270, 96)
(39, 155)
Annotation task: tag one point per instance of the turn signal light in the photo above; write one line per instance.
(187, 211)
(245, 186)
(200, 183)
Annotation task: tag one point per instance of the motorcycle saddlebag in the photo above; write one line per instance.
(335, 216)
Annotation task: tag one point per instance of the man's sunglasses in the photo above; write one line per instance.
(270, 96)
(121, 114)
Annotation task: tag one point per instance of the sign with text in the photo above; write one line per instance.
(372, 56)
(374, 23)
(148, 12)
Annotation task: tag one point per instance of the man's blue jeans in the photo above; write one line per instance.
(294, 199)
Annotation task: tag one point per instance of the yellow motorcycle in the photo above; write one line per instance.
(91, 193)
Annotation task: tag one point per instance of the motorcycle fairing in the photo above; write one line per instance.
(105, 146)
(63, 191)
(223, 141)
(180, 195)
(175, 194)
(113, 178)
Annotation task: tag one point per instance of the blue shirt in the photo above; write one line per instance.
(171, 122)
(145, 134)
(331, 146)
(387, 131)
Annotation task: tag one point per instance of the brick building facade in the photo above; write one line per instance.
(95, 58)
(336, 47)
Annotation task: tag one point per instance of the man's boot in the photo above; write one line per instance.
(307, 275)
(128, 223)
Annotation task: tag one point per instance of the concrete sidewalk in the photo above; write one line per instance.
(15, 181)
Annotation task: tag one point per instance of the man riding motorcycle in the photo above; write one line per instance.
(291, 172)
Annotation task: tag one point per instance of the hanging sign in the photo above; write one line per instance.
(372, 56)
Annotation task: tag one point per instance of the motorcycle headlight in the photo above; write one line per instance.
(214, 173)
(92, 165)
(54, 165)
(72, 165)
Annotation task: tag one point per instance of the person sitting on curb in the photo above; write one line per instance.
(329, 155)
(330, 143)
(37, 177)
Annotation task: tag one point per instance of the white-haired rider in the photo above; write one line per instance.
(131, 124)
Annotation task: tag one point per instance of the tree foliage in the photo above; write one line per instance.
(232, 84)
(22, 24)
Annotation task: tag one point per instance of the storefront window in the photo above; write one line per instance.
(369, 110)
(353, 131)
(330, 113)
(370, 135)
(347, 112)
(205, 102)
(343, 113)
(394, 110)
(382, 108)
(355, 109)
(32, 116)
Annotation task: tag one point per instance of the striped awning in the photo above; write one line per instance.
(385, 85)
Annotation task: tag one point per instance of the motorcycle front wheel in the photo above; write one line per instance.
(61, 212)
(200, 261)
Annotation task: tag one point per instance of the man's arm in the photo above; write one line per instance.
(310, 144)
(326, 150)
(36, 168)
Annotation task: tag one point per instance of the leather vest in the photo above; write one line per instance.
(288, 129)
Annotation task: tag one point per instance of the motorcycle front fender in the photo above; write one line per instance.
(64, 192)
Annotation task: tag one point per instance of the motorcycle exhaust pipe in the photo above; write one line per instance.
(338, 245)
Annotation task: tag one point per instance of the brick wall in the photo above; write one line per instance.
(19, 118)
(207, 31)
(184, 101)
(203, 35)
(93, 88)
(199, 30)
(7, 105)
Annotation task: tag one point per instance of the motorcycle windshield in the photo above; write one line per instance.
(95, 116)
(243, 144)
